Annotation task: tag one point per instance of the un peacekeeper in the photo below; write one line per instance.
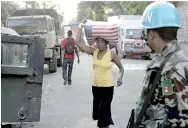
(168, 107)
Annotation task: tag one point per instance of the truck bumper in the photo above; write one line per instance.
(135, 54)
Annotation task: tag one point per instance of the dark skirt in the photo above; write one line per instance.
(102, 98)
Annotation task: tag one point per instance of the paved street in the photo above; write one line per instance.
(71, 106)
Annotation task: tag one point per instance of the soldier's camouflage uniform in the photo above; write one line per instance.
(169, 103)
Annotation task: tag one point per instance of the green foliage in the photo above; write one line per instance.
(134, 8)
(99, 11)
(32, 4)
(7, 8)
(94, 10)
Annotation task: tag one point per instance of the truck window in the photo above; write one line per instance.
(50, 25)
(53, 25)
(133, 34)
(28, 25)
(14, 55)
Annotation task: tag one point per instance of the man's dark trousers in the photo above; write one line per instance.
(67, 63)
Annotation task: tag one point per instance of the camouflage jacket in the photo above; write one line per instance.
(169, 103)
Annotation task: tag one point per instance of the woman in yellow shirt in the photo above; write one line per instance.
(103, 87)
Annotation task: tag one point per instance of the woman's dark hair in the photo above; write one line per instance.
(107, 42)
(167, 33)
(69, 33)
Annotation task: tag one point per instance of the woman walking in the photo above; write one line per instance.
(103, 87)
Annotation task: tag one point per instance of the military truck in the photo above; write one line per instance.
(44, 23)
(22, 60)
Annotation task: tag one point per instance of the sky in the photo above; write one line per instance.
(68, 7)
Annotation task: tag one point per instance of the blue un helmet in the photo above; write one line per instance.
(160, 14)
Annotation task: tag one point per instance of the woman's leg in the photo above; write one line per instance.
(96, 102)
(105, 118)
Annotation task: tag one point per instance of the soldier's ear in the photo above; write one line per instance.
(151, 34)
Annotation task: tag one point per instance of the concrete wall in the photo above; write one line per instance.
(183, 11)
(183, 32)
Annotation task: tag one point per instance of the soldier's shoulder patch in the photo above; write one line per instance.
(167, 87)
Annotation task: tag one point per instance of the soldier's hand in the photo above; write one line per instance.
(78, 61)
(119, 82)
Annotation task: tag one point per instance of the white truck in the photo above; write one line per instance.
(44, 23)
(130, 32)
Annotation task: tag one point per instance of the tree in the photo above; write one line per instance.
(50, 4)
(134, 8)
(44, 5)
(32, 4)
(73, 21)
(7, 8)
(96, 10)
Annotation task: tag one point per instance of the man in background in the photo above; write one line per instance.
(69, 47)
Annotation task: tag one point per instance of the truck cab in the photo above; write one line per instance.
(133, 45)
(130, 32)
(43, 23)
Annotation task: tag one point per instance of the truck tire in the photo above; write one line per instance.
(120, 55)
(146, 57)
(53, 64)
(59, 62)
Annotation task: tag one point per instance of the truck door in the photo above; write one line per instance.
(51, 34)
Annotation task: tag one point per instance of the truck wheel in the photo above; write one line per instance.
(124, 56)
(59, 62)
(120, 55)
(53, 65)
(146, 57)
